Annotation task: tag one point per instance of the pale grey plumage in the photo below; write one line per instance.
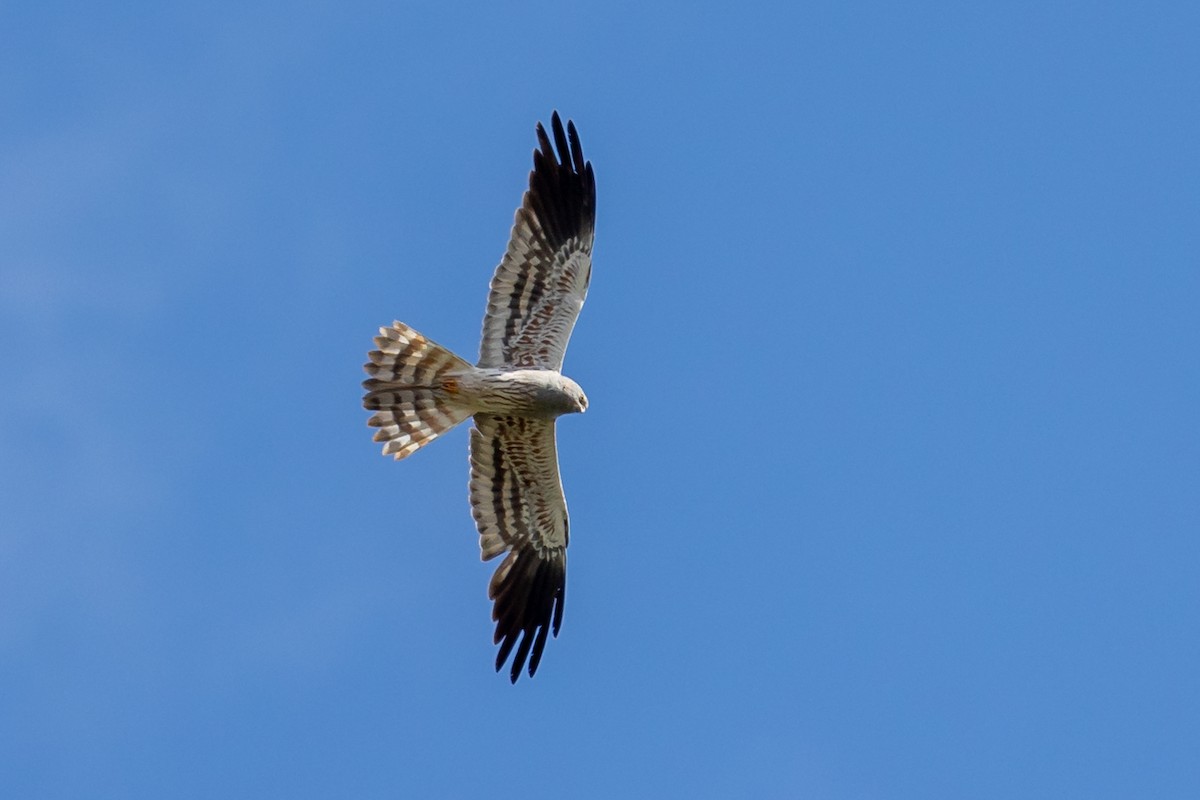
(420, 390)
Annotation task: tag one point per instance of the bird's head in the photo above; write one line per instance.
(575, 397)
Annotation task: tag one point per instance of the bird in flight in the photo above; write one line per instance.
(419, 390)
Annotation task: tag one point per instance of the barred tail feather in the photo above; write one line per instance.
(411, 390)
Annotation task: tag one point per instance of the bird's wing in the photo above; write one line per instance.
(541, 282)
(519, 508)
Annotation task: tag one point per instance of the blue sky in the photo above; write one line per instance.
(888, 485)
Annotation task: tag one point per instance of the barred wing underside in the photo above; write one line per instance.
(541, 282)
(518, 505)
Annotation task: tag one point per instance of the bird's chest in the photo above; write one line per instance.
(523, 393)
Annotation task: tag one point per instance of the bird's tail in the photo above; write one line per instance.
(412, 390)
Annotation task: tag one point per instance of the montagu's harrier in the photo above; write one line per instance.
(419, 390)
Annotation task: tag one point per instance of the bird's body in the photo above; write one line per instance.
(535, 393)
(419, 390)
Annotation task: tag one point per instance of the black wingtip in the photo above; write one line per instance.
(567, 150)
(528, 607)
(562, 186)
